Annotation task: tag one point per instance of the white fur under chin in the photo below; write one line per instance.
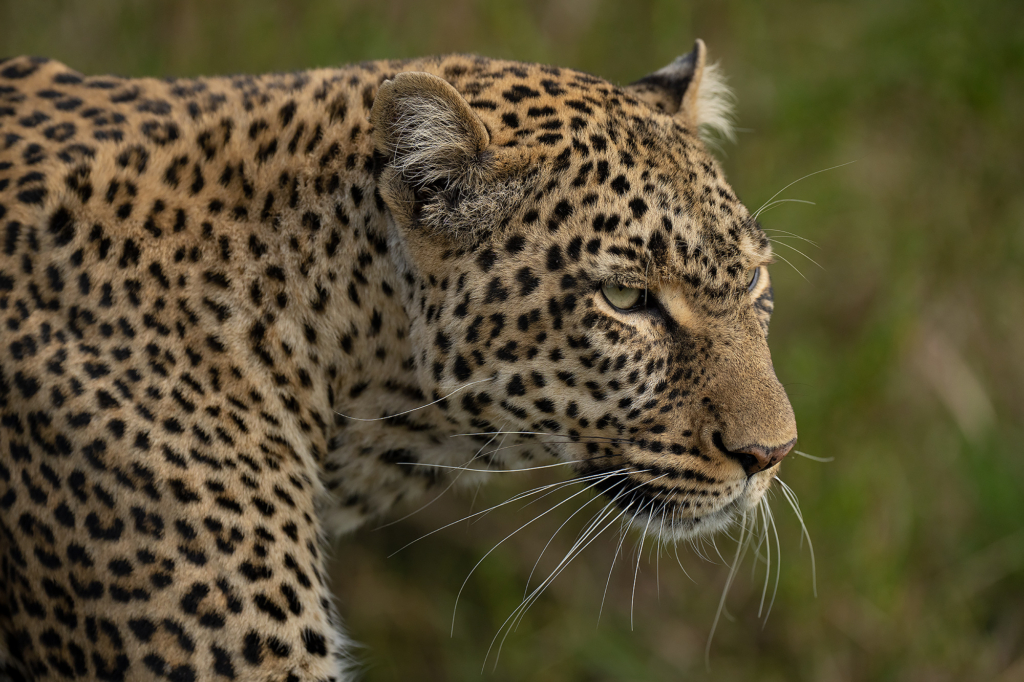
(716, 105)
(670, 529)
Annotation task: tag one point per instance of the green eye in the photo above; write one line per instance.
(752, 278)
(623, 298)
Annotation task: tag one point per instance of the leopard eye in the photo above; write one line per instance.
(623, 298)
(752, 278)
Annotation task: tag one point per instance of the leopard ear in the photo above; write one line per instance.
(426, 133)
(690, 90)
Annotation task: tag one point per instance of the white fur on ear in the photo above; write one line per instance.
(427, 130)
(692, 91)
(716, 105)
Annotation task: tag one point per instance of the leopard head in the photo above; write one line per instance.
(575, 262)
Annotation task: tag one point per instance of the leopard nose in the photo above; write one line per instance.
(755, 458)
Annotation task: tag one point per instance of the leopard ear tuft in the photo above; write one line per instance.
(692, 91)
(426, 131)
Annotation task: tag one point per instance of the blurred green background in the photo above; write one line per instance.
(903, 354)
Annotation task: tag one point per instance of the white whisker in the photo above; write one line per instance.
(519, 610)
(551, 442)
(790, 235)
(787, 262)
(714, 544)
(639, 555)
(675, 550)
(514, 498)
(439, 495)
(699, 549)
(790, 496)
(587, 528)
(545, 433)
(740, 546)
(778, 562)
(657, 570)
(573, 552)
(615, 556)
(776, 241)
(812, 457)
(581, 543)
(499, 543)
(568, 557)
(823, 170)
(762, 506)
(392, 416)
(777, 202)
(486, 471)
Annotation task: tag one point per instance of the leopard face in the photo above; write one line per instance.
(582, 277)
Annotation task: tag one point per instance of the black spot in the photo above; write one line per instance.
(552, 87)
(60, 132)
(314, 642)
(574, 248)
(266, 151)
(267, 606)
(129, 254)
(462, 369)
(507, 353)
(528, 282)
(639, 207)
(161, 132)
(13, 231)
(222, 662)
(142, 628)
(27, 385)
(545, 405)
(252, 649)
(555, 260)
(516, 386)
(540, 112)
(517, 93)
(560, 213)
(496, 292)
(286, 113)
(515, 244)
(486, 259)
(278, 648)
(190, 602)
(62, 226)
(19, 70)
(311, 221)
(32, 196)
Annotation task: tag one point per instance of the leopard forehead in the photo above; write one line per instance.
(579, 165)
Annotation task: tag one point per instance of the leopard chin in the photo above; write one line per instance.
(671, 523)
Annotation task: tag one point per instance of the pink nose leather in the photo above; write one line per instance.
(755, 458)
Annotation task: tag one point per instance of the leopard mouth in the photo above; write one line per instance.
(675, 513)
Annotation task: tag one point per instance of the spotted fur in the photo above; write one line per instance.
(199, 278)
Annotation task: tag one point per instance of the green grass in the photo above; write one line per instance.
(903, 354)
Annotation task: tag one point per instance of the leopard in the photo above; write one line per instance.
(243, 315)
